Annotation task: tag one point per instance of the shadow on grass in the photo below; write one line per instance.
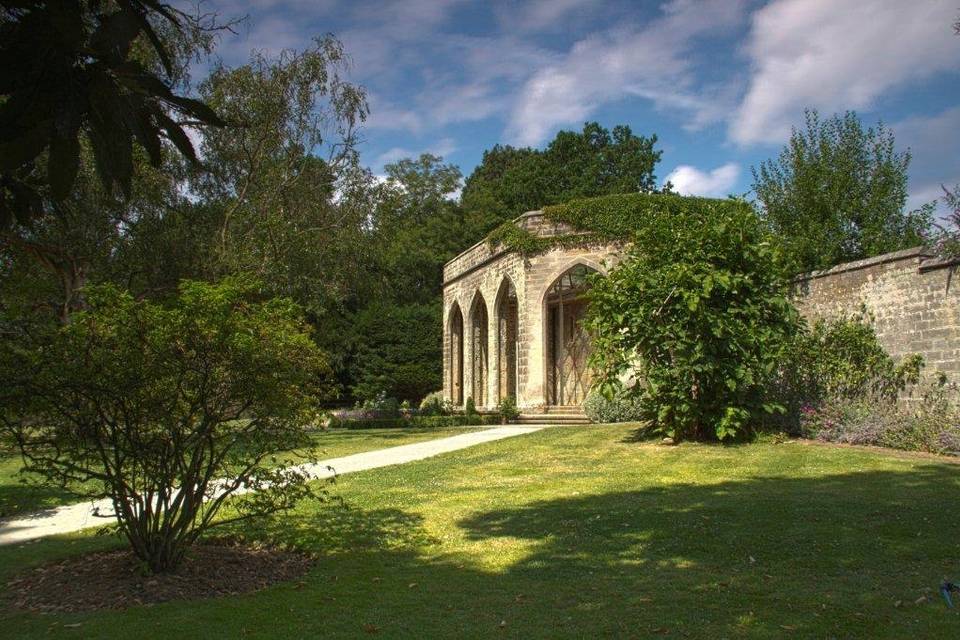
(825, 556)
(17, 497)
(337, 529)
(820, 556)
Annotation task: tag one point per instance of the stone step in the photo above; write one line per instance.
(578, 411)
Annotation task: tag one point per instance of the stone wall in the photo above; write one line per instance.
(914, 299)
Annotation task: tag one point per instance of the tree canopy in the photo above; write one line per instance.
(76, 69)
(593, 162)
(837, 193)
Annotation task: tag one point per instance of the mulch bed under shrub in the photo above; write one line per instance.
(115, 579)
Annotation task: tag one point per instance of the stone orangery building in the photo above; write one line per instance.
(512, 324)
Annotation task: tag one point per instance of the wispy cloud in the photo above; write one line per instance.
(652, 61)
(837, 55)
(442, 148)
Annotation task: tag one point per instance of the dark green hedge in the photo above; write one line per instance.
(414, 422)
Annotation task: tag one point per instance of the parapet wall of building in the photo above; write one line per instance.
(482, 254)
(913, 298)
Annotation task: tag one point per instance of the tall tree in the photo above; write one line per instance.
(592, 162)
(282, 184)
(837, 193)
(416, 226)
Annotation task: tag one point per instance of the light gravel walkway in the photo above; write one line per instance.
(75, 517)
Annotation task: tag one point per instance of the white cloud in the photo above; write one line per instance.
(540, 15)
(835, 56)
(385, 116)
(690, 181)
(653, 61)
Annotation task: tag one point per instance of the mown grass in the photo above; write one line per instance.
(21, 493)
(581, 533)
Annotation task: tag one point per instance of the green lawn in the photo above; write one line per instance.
(580, 533)
(19, 497)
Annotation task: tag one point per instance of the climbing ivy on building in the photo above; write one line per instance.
(604, 220)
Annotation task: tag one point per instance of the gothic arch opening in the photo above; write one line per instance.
(568, 345)
(455, 345)
(479, 361)
(507, 336)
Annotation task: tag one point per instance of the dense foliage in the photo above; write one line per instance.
(837, 193)
(396, 350)
(697, 313)
(168, 410)
(77, 70)
(616, 405)
(593, 162)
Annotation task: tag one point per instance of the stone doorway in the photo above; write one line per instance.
(568, 344)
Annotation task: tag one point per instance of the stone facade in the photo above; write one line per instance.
(914, 299)
(482, 276)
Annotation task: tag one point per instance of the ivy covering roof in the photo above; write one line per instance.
(606, 219)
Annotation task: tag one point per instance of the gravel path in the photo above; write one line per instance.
(75, 517)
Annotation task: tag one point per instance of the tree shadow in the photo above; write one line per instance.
(19, 498)
(770, 552)
(336, 529)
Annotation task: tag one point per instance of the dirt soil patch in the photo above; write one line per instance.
(115, 579)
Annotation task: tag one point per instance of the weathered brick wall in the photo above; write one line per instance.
(915, 301)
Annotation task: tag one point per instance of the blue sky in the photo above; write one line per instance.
(719, 81)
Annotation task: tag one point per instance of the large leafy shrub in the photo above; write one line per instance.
(698, 309)
(168, 410)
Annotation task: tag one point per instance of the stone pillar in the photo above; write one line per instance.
(468, 355)
(445, 350)
(530, 352)
(493, 358)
